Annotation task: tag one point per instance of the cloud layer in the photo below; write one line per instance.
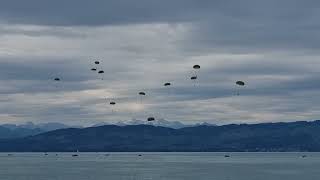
(271, 45)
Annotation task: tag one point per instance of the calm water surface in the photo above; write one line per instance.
(160, 166)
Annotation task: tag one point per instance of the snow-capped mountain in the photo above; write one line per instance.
(42, 126)
(160, 122)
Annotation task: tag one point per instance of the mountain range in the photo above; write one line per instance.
(159, 122)
(295, 136)
(9, 131)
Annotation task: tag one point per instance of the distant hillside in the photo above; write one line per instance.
(43, 126)
(18, 132)
(11, 131)
(159, 122)
(297, 136)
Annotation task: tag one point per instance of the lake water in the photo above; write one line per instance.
(160, 166)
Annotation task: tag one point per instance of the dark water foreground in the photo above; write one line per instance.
(160, 166)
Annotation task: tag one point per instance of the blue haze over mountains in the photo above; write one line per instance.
(8, 131)
(264, 137)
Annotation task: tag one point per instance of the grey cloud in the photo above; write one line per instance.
(35, 31)
(268, 44)
(100, 12)
(97, 12)
(215, 25)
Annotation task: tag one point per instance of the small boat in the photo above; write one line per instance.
(75, 155)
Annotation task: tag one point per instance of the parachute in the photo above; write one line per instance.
(97, 62)
(167, 86)
(142, 93)
(57, 80)
(94, 69)
(151, 119)
(101, 72)
(112, 103)
(194, 79)
(196, 66)
(240, 84)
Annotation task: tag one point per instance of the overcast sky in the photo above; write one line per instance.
(272, 45)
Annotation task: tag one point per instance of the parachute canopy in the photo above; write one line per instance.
(101, 72)
(93, 69)
(97, 62)
(240, 83)
(196, 66)
(194, 78)
(167, 84)
(57, 79)
(142, 93)
(151, 119)
(112, 103)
